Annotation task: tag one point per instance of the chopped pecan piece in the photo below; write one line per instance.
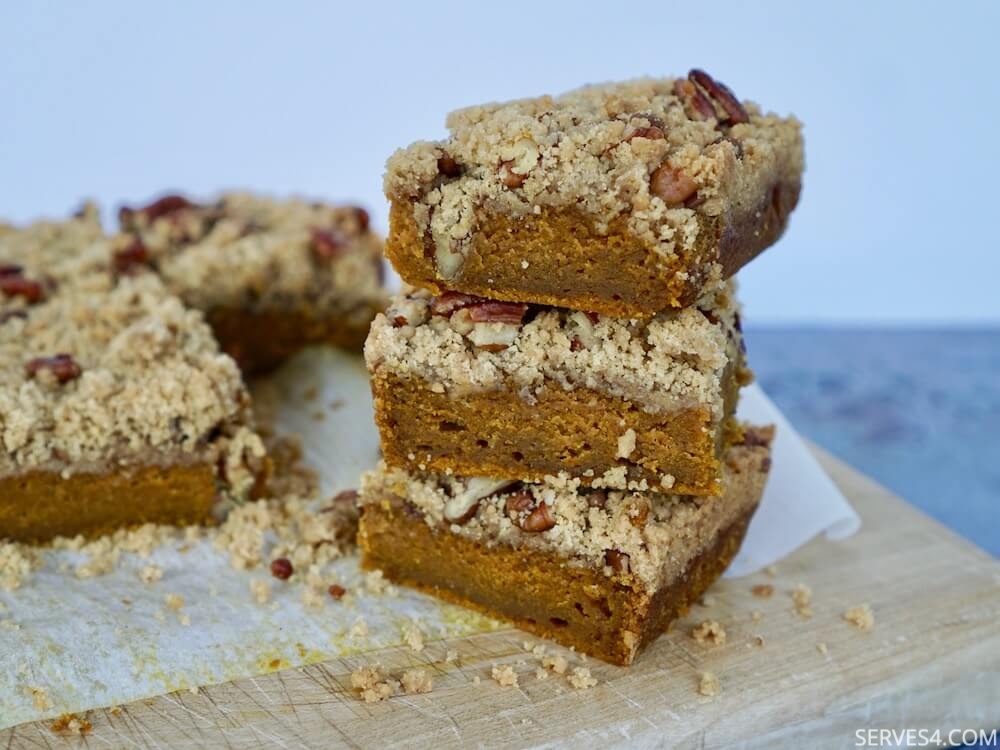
(10, 269)
(642, 513)
(165, 206)
(281, 568)
(518, 502)
(619, 561)
(509, 177)
(132, 258)
(62, 367)
(491, 311)
(696, 103)
(720, 93)
(449, 302)
(672, 185)
(327, 244)
(336, 591)
(538, 520)
(16, 285)
(363, 218)
(448, 166)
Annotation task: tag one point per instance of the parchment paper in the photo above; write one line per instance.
(110, 640)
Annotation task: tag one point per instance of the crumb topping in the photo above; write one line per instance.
(649, 150)
(675, 359)
(148, 385)
(250, 252)
(861, 617)
(629, 535)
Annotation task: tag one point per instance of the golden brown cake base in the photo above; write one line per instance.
(571, 264)
(38, 506)
(497, 434)
(537, 591)
(261, 340)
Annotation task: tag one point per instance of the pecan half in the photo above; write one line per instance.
(491, 311)
(696, 104)
(62, 367)
(448, 166)
(449, 302)
(619, 561)
(327, 244)
(538, 520)
(672, 185)
(132, 258)
(720, 93)
(161, 207)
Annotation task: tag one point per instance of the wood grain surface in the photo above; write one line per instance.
(932, 661)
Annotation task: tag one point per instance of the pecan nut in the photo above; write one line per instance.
(696, 103)
(672, 185)
(491, 311)
(13, 283)
(618, 561)
(538, 520)
(450, 302)
(132, 258)
(327, 244)
(158, 209)
(721, 94)
(62, 367)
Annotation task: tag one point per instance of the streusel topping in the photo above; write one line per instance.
(645, 534)
(109, 373)
(245, 251)
(457, 343)
(658, 151)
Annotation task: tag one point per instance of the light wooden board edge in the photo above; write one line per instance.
(933, 661)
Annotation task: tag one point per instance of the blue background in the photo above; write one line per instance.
(121, 100)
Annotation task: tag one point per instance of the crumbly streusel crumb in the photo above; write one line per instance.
(150, 574)
(412, 636)
(373, 684)
(674, 360)
(709, 632)
(174, 602)
(581, 678)
(17, 561)
(71, 724)
(451, 655)
(504, 675)
(260, 590)
(39, 697)
(821, 647)
(708, 685)
(802, 597)
(861, 617)
(416, 681)
(556, 663)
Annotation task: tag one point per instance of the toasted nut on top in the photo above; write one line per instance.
(327, 244)
(448, 166)
(672, 185)
(13, 284)
(538, 520)
(697, 104)
(719, 92)
(132, 258)
(62, 367)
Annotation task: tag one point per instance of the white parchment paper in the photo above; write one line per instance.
(110, 640)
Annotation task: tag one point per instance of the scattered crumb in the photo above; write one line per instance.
(802, 596)
(861, 617)
(539, 650)
(709, 632)
(71, 724)
(416, 681)
(541, 674)
(756, 615)
(39, 697)
(150, 574)
(771, 570)
(372, 684)
(476, 680)
(184, 619)
(821, 647)
(174, 602)
(556, 663)
(451, 655)
(707, 600)
(504, 675)
(413, 637)
(581, 678)
(376, 583)
(708, 685)
(763, 590)
(359, 629)
(260, 590)
(758, 640)
(313, 598)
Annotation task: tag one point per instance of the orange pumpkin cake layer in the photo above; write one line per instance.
(605, 572)
(622, 199)
(116, 408)
(483, 388)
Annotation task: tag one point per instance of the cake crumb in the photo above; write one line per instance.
(763, 590)
(556, 663)
(504, 675)
(416, 681)
(802, 596)
(174, 602)
(150, 574)
(372, 684)
(413, 637)
(861, 617)
(708, 685)
(260, 590)
(709, 632)
(450, 655)
(539, 650)
(541, 673)
(39, 697)
(71, 724)
(821, 647)
(581, 678)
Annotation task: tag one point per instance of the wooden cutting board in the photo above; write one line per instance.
(932, 661)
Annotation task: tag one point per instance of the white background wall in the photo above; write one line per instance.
(901, 101)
